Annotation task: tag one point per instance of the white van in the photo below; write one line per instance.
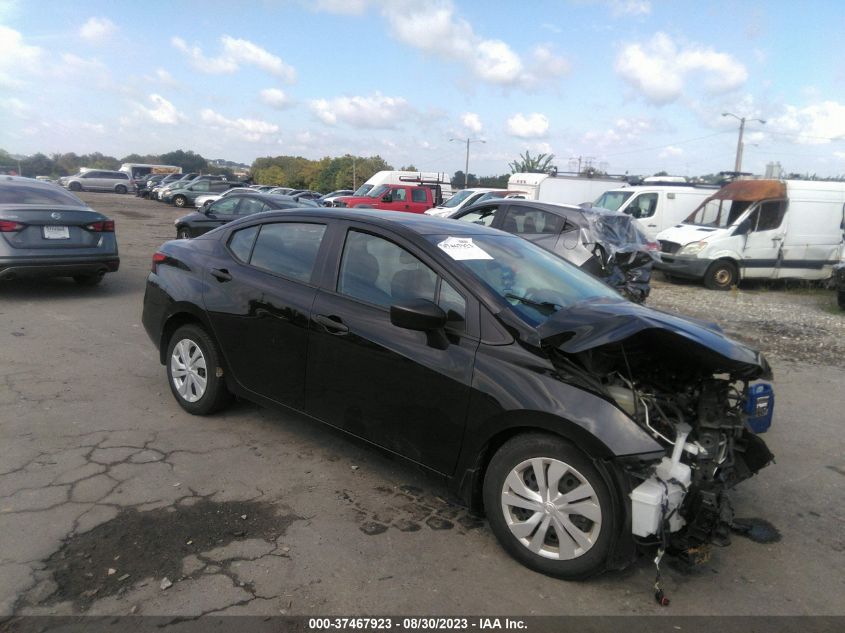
(759, 229)
(562, 189)
(655, 207)
(407, 178)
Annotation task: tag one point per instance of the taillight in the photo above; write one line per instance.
(7, 226)
(158, 258)
(105, 226)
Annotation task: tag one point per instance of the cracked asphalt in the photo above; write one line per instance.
(114, 501)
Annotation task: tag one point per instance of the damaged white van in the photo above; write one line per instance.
(759, 229)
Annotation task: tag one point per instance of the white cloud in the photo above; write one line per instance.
(660, 69)
(671, 152)
(534, 125)
(16, 57)
(14, 107)
(236, 52)
(96, 29)
(164, 77)
(374, 112)
(814, 124)
(623, 131)
(96, 128)
(162, 111)
(74, 64)
(275, 98)
(435, 29)
(249, 129)
(472, 122)
(342, 7)
(628, 8)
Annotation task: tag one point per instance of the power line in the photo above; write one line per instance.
(690, 140)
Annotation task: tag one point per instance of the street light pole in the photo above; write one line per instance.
(739, 146)
(466, 168)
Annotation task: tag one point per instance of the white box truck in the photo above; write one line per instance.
(562, 189)
(656, 206)
(759, 229)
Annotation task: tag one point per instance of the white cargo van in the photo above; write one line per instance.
(406, 178)
(759, 229)
(655, 206)
(562, 189)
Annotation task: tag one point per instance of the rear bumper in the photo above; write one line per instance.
(689, 267)
(57, 266)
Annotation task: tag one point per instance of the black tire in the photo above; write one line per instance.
(89, 280)
(840, 298)
(721, 275)
(514, 454)
(180, 201)
(121, 189)
(183, 233)
(75, 186)
(215, 395)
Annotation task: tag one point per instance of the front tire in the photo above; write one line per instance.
(721, 275)
(549, 506)
(180, 201)
(183, 234)
(194, 371)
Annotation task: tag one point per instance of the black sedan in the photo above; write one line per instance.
(46, 231)
(536, 391)
(232, 207)
(605, 243)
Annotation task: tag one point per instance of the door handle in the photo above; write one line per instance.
(332, 325)
(221, 274)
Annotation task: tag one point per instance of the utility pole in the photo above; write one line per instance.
(739, 146)
(466, 167)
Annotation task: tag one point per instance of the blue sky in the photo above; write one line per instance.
(632, 86)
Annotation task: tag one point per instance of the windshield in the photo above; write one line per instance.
(362, 190)
(378, 191)
(612, 199)
(533, 282)
(718, 213)
(456, 199)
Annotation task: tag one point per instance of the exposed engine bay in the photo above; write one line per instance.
(691, 390)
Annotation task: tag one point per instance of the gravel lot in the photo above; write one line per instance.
(107, 488)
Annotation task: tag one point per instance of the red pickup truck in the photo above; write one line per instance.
(410, 198)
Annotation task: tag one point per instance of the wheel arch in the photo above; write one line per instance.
(512, 424)
(184, 314)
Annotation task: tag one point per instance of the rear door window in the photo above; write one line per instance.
(526, 221)
(248, 206)
(484, 216)
(288, 249)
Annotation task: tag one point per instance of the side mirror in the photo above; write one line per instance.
(421, 315)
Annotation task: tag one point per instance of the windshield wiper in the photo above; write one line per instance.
(545, 307)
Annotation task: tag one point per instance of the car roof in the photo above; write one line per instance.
(418, 223)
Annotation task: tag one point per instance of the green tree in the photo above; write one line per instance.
(37, 165)
(539, 164)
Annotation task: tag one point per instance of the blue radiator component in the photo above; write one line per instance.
(760, 406)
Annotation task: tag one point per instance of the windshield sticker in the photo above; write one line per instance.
(462, 248)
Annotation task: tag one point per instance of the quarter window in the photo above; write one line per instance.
(418, 195)
(241, 242)
(288, 248)
(532, 222)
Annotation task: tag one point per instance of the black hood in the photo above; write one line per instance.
(593, 324)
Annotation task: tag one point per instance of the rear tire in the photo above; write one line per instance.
(538, 492)
(120, 189)
(89, 280)
(75, 186)
(721, 275)
(194, 371)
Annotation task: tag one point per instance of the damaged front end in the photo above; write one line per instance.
(622, 256)
(693, 390)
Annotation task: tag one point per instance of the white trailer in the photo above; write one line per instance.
(562, 189)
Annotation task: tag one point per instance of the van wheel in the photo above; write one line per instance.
(549, 506)
(120, 189)
(721, 275)
(75, 186)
